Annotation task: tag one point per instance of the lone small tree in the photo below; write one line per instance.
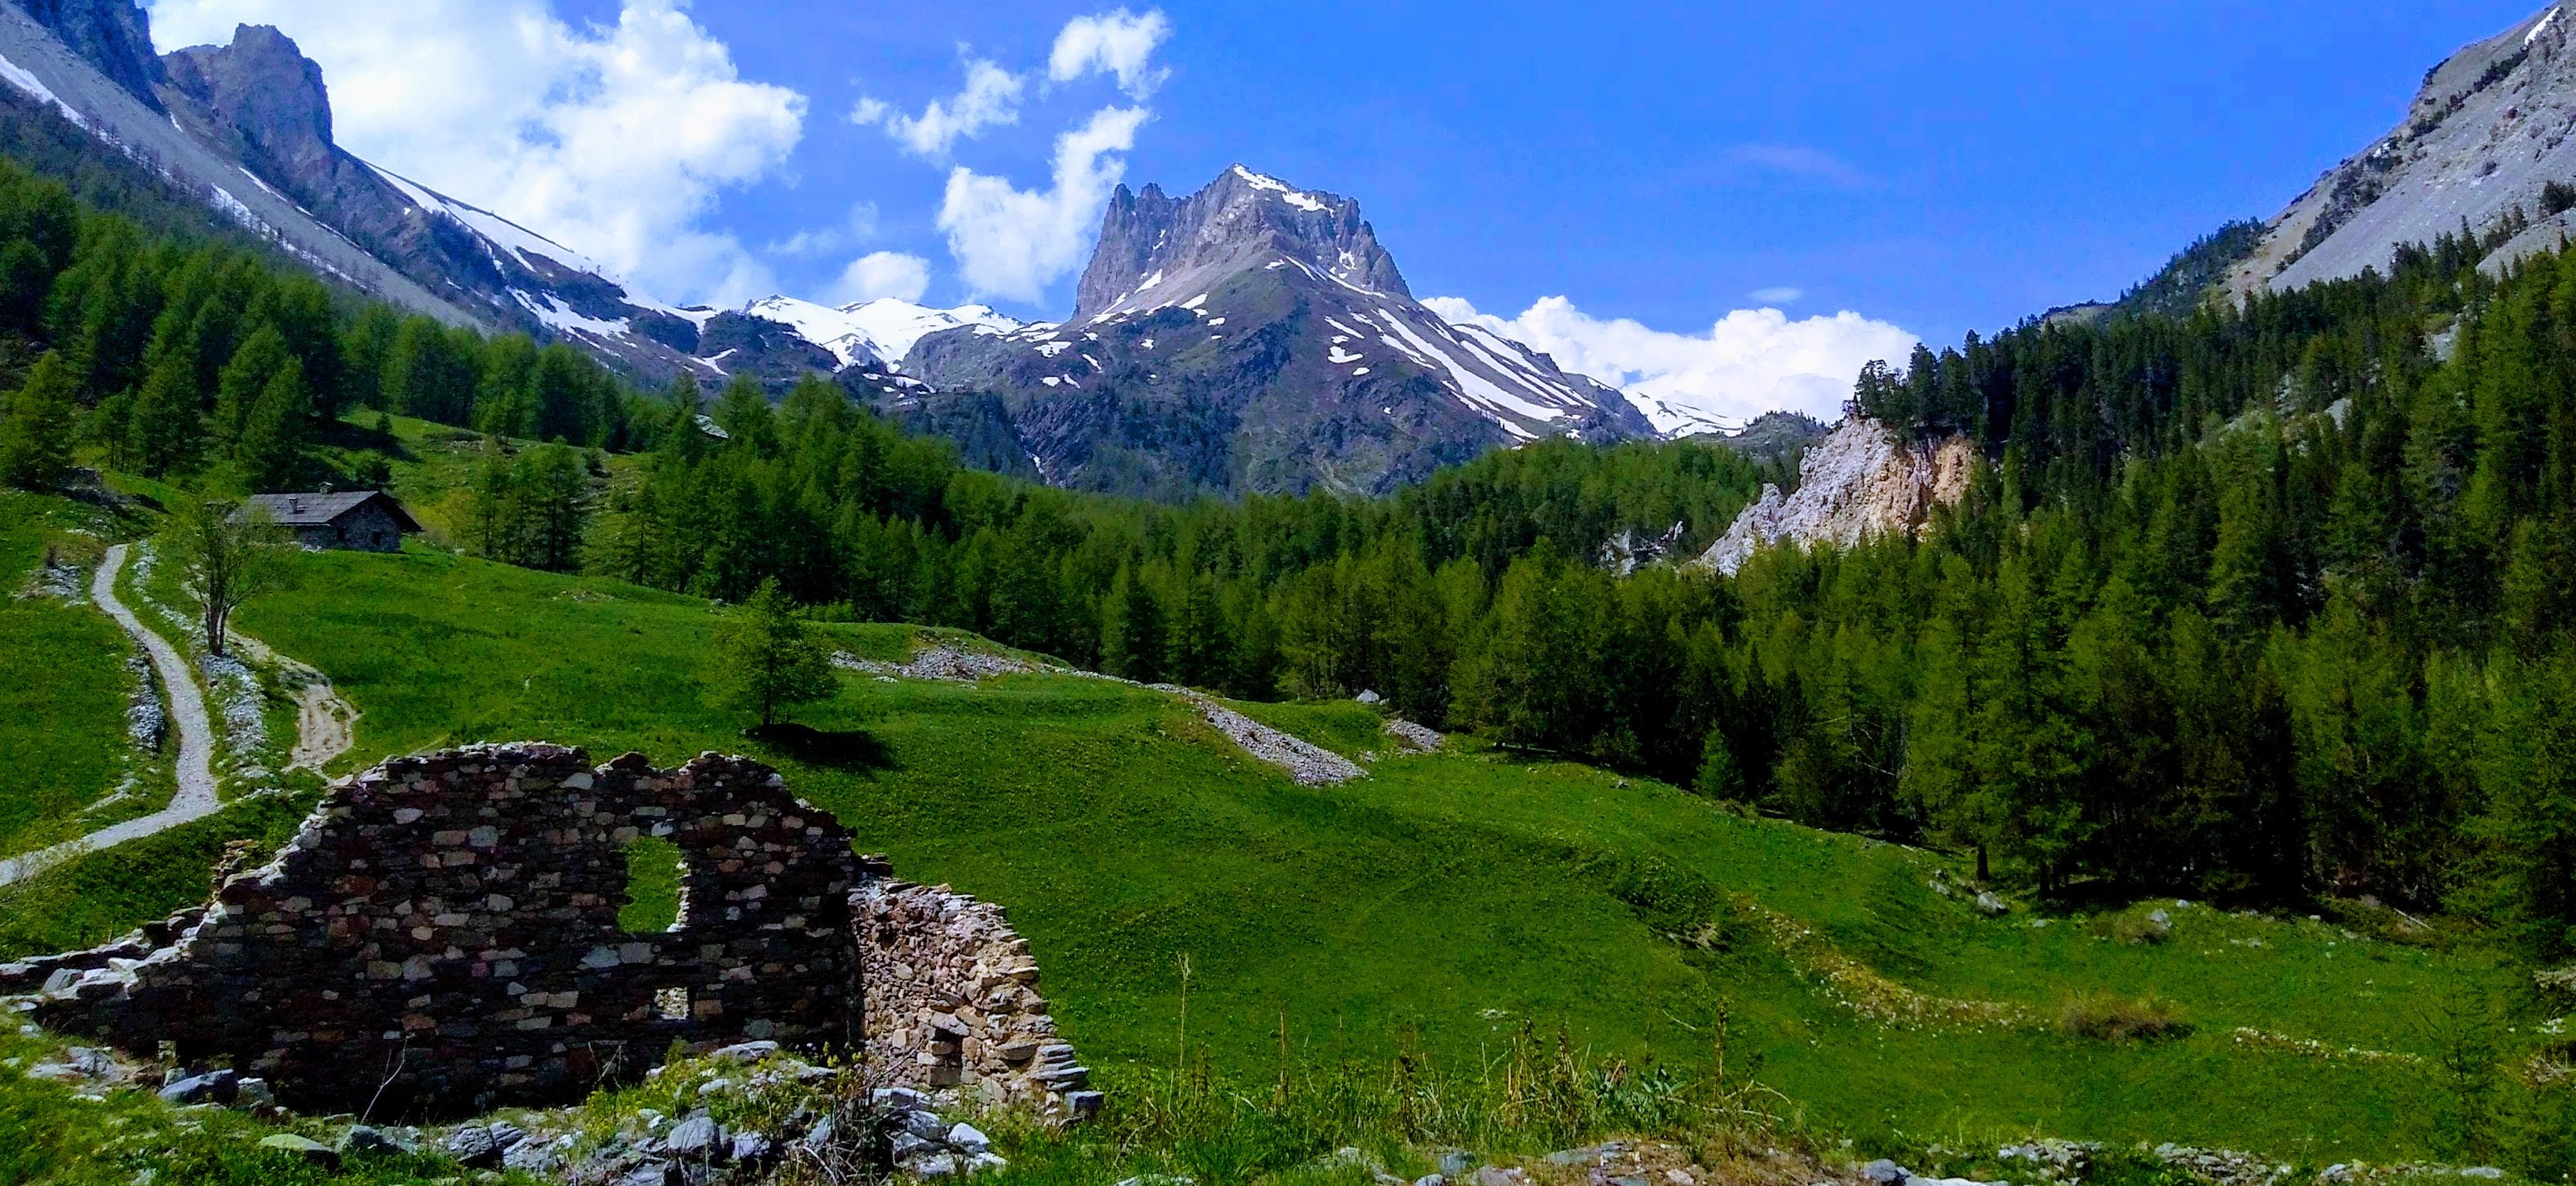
(231, 552)
(763, 660)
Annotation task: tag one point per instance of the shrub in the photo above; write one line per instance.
(2107, 1018)
(2556, 198)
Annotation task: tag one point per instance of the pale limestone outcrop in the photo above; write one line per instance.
(1857, 484)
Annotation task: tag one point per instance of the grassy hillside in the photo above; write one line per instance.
(63, 684)
(1447, 901)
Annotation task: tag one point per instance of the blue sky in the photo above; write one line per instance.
(1940, 169)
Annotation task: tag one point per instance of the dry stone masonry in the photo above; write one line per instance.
(952, 998)
(442, 936)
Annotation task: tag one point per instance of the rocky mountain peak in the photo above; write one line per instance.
(261, 96)
(1241, 221)
(114, 35)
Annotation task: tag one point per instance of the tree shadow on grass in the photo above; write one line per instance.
(854, 751)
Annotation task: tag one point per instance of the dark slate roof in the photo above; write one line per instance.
(321, 510)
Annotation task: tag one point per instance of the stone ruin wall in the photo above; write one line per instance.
(444, 929)
(952, 998)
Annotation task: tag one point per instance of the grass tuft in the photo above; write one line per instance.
(2107, 1018)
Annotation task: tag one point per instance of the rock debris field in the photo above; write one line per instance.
(1308, 763)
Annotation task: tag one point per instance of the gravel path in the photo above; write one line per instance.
(196, 797)
(325, 722)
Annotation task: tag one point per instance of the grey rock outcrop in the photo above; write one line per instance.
(80, 67)
(1860, 483)
(115, 35)
(2488, 131)
(1229, 227)
(204, 116)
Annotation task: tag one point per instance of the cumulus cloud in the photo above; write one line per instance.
(1120, 43)
(616, 140)
(991, 98)
(1752, 361)
(1013, 243)
(883, 274)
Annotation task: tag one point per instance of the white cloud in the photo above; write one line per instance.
(883, 274)
(991, 99)
(1752, 361)
(1778, 296)
(1013, 243)
(615, 140)
(828, 240)
(1120, 43)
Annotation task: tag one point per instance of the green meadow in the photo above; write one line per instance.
(1443, 906)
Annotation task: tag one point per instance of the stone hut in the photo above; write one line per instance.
(444, 930)
(355, 520)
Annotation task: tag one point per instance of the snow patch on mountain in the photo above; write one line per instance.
(1287, 193)
(529, 246)
(881, 331)
(550, 309)
(19, 77)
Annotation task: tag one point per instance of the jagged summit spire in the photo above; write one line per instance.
(1240, 221)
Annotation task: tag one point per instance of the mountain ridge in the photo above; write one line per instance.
(2490, 129)
(1254, 336)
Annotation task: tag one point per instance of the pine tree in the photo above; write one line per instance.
(762, 661)
(2530, 823)
(1132, 632)
(744, 413)
(493, 495)
(551, 497)
(166, 433)
(270, 454)
(1718, 778)
(36, 426)
(505, 405)
(1199, 646)
(239, 385)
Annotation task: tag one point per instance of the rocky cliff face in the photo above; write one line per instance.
(114, 35)
(89, 62)
(1860, 483)
(264, 103)
(206, 115)
(1242, 220)
(1253, 336)
(2486, 134)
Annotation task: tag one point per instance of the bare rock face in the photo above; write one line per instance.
(1252, 337)
(115, 35)
(2488, 131)
(1860, 483)
(1242, 220)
